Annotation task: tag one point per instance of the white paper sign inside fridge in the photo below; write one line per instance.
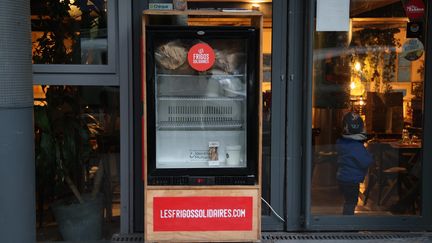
(197, 155)
(332, 15)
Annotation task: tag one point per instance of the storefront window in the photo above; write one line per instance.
(77, 142)
(69, 31)
(367, 114)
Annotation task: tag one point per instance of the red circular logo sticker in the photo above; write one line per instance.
(414, 9)
(201, 57)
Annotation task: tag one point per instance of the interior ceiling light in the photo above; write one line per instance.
(357, 66)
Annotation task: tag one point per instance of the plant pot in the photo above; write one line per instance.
(80, 221)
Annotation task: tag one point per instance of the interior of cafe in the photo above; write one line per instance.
(376, 70)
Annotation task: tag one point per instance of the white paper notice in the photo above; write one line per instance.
(333, 15)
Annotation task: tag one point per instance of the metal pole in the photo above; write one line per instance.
(17, 166)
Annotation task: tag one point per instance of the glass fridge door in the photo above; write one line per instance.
(201, 117)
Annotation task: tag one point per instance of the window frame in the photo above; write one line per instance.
(367, 222)
(113, 54)
(278, 120)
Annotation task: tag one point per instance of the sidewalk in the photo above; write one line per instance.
(340, 237)
(309, 237)
(321, 237)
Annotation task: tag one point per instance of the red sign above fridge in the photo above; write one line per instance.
(201, 57)
(414, 9)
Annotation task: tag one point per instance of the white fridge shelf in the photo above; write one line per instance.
(200, 113)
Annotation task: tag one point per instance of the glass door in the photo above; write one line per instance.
(204, 94)
(367, 117)
(201, 116)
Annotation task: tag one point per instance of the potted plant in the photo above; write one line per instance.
(63, 152)
(62, 133)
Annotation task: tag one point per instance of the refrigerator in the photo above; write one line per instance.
(202, 105)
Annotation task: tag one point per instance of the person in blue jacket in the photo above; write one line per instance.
(353, 160)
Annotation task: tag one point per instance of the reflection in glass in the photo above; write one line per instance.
(77, 143)
(69, 32)
(375, 70)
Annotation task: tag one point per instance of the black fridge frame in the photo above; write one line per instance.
(208, 176)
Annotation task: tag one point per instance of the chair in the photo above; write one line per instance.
(411, 198)
(405, 176)
(390, 172)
